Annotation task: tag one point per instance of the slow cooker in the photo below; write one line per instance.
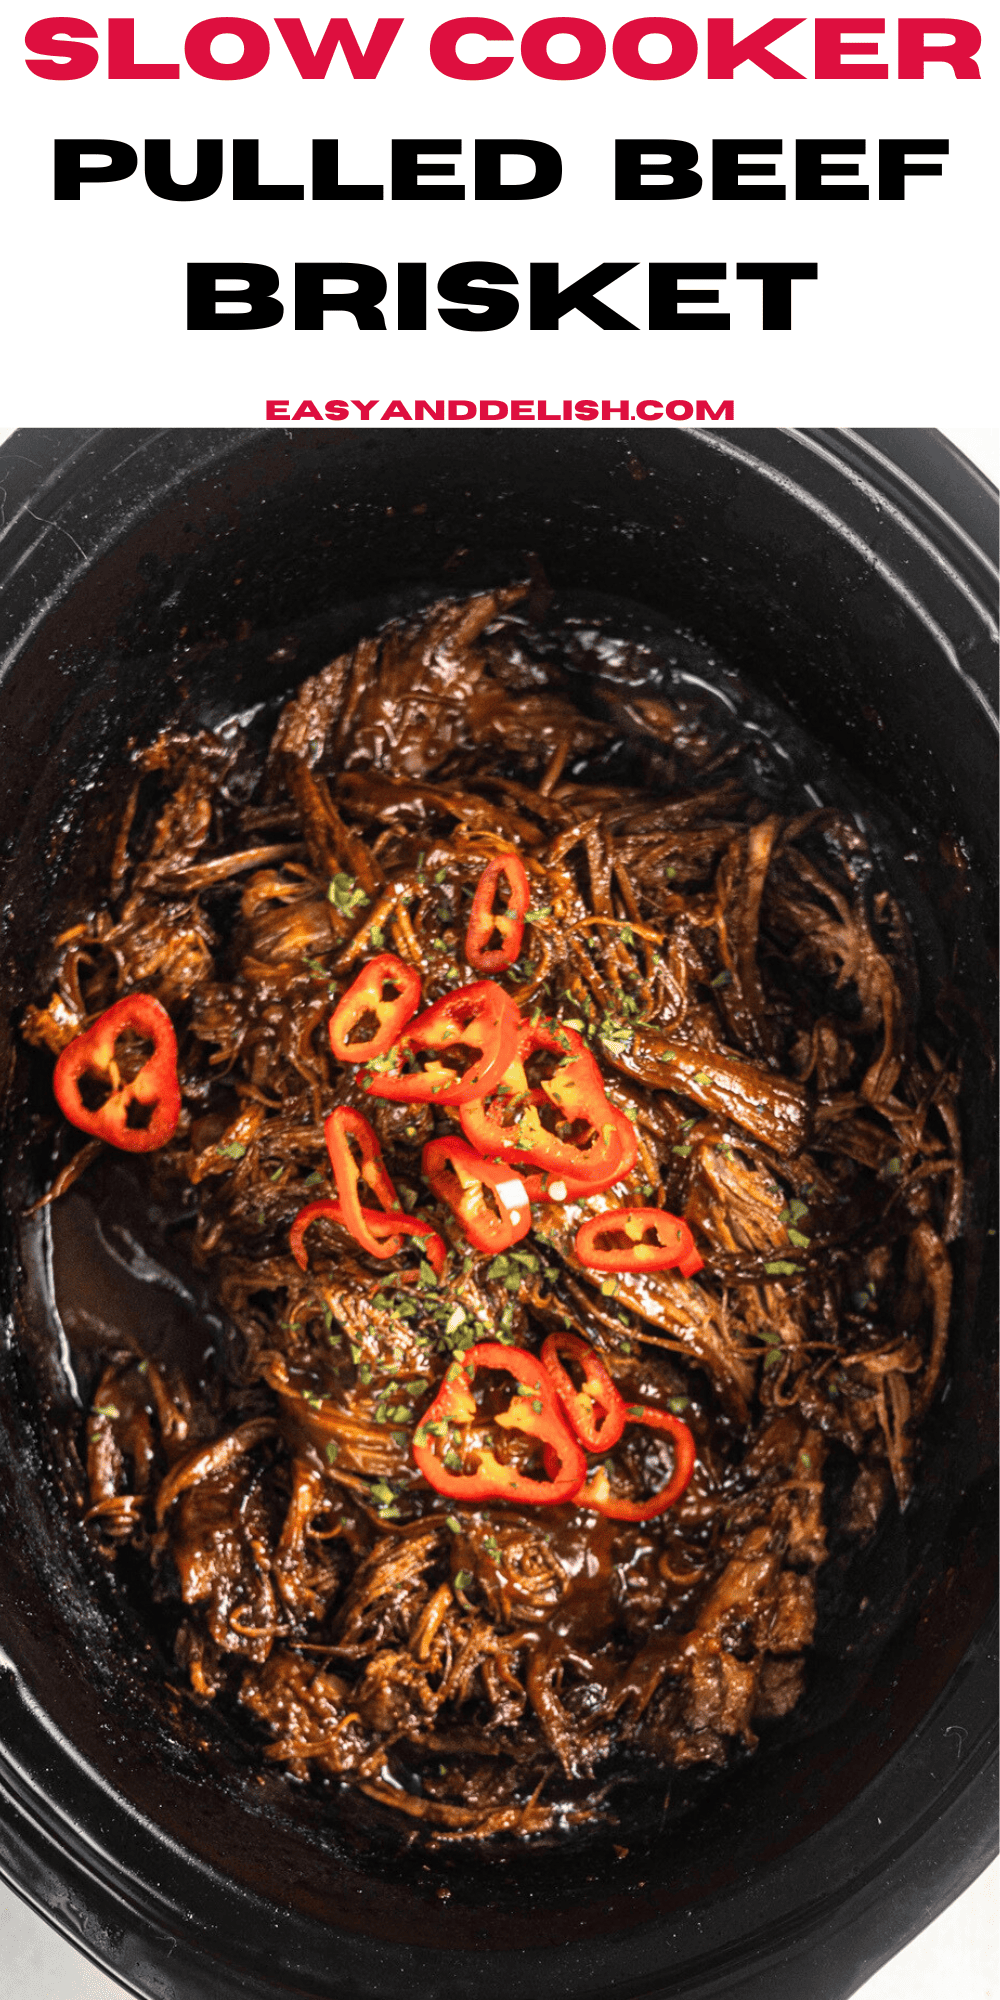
(849, 575)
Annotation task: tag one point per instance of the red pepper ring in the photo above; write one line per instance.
(139, 1113)
(460, 1177)
(597, 1492)
(486, 922)
(576, 1089)
(565, 1187)
(533, 1410)
(596, 1411)
(367, 996)
(673, 1244)
(339, 1129)
(483, 1118)
(394, 1228)
(480, 1016)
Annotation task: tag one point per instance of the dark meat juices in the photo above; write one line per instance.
(745, 980)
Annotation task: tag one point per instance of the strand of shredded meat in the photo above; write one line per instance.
(748, 987)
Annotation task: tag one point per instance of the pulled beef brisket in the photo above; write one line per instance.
(747, 985)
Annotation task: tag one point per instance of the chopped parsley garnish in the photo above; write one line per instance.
(344, 894)
(615, 1034)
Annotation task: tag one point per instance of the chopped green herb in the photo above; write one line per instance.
(463, 1578)
(232, 1151)
(345, 895)
(801, 1242)
(106, 1410)
(781, 1269)
(332, 1449)
(682, 1150)
(616, 1035)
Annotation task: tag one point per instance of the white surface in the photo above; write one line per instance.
(982, 446)
(955, 1957)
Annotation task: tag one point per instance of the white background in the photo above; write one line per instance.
(900, 327)
(955, 1957)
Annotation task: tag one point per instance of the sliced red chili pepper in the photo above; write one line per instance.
(554, 1186)
(340, 1128)
(394, 1228)
(453, 1430)
(672, 1244)
(597, 1491)
(368, 997)
(481, 1016)
(460, 1177)
(563, 1187)
(595, 1411)
(486, 922)
(493, 1123)
(576, 1089)
(139, 1112)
